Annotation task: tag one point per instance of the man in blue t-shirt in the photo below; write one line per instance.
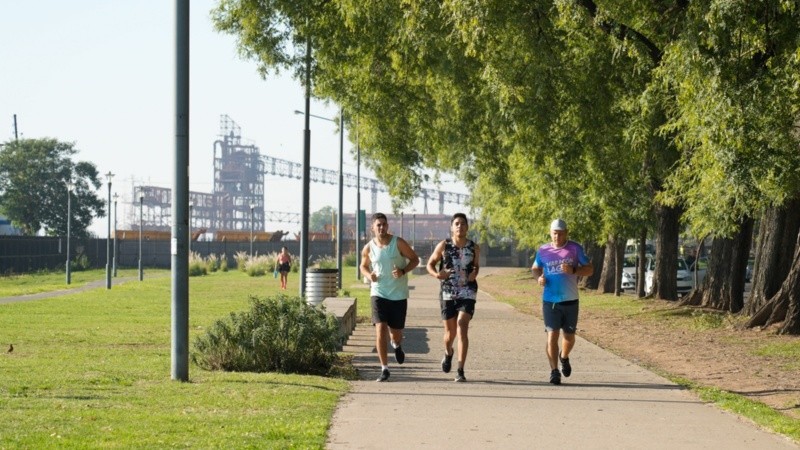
(557, 267)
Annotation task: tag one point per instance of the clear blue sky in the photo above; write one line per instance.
(100, 73)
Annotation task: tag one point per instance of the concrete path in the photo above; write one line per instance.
(607, 403)
(66, 291)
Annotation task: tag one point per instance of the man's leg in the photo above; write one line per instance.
(463, 337)
(450, 333)
(567, 343)
(552, 348)
(397, 337)
(381, 340)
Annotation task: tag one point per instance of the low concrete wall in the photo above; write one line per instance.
(344, 309)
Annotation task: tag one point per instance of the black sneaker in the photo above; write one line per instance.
(447, 362)
(399, 355)
(566, 368)
(555, 376)
(384, 375)
(460, 376)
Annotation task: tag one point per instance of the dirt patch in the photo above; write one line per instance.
(726, 357)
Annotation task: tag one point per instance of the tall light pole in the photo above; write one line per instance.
(109, 176)
(114, 258)
(141, 213)
(252, 220)
(180, 199)
(340, 220)
(69, 223)
(358, 205)
(306, 174)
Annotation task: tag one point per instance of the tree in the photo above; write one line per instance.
(617, 116)
(33, 187)
(322, 220)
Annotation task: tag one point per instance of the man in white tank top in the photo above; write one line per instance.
(385, 261)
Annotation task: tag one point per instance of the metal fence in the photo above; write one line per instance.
(23, 254)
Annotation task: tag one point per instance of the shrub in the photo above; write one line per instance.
(197, 266)
(212, 263)
(326, 262)
(278, 334)
(81, 262)
(241, 260)
(223, 263)
(259, 266)
(349, 259)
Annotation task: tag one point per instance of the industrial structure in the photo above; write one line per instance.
(237, 201)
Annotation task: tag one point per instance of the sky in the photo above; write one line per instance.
(100, 73)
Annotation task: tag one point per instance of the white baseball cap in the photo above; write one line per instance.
(558, 225)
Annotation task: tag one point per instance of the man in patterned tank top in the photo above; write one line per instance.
(458, 267)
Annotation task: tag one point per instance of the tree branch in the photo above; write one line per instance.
(622, 31)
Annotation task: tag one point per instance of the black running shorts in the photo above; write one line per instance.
(450, 308)
(391, 312)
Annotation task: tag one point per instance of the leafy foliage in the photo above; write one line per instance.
(597, 112)
(278, 333)
(33, 187)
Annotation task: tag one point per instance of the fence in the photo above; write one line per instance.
(23, 254)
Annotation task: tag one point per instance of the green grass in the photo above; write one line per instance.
(789, 352)
(13, 285)
(92, 369)
(758, 412)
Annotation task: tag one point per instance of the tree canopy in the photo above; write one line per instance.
(34, 175)
(595, 111)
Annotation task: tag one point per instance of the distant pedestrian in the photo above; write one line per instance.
(284, 263)
(557, 267)
(458, 258)
(385, 261)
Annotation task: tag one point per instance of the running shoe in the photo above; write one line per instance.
(566, 368)
(384, 375)
(447, 362)
(399, 355)
(460, 377)
(555, 376)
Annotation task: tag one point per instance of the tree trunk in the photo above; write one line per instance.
(775, 247)
(783, 306)
(609, 282)
(595, 253)
(723, 287)
(667, 230)
(640, 262)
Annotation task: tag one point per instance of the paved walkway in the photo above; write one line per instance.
(67, 290)
(508, 403)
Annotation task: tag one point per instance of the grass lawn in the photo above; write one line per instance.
(92, 369)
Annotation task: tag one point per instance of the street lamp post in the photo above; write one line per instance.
(114, 258)
(252, 220)
(358, 206)
(141, 213)
(69, 224)
(109, 176)
(340, 220)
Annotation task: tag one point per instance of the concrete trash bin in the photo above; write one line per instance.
(320, 284)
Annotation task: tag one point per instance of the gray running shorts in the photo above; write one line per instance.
(561, 315)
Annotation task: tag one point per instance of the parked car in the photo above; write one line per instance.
(685, 276)
(629, 272)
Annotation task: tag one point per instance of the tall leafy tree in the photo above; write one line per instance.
(34, 174)
(323, 219)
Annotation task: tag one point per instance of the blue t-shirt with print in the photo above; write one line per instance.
(558, 285)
